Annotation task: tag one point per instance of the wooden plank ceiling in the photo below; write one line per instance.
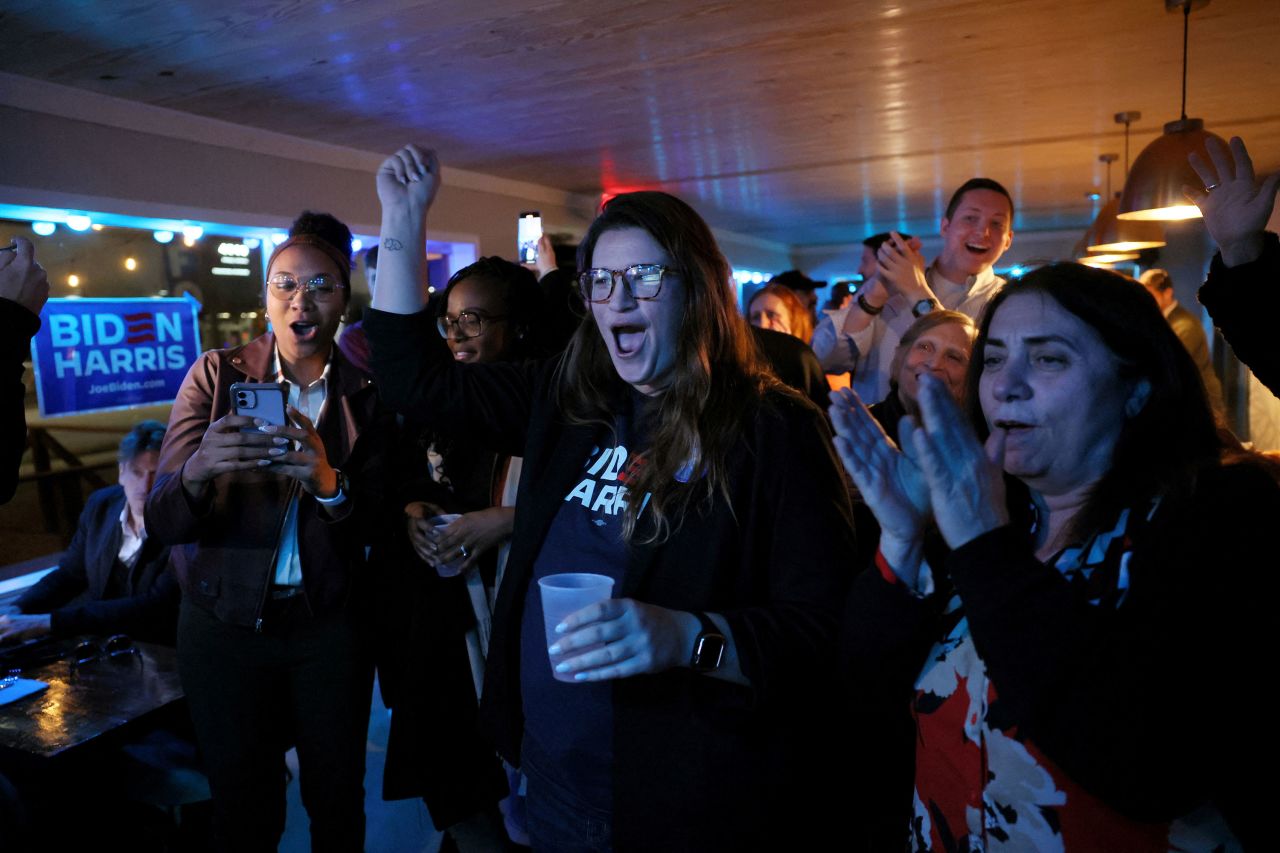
(804, 122)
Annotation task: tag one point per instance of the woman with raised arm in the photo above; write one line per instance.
(435, 619)
(658, 452)
(1243, 288)
(1079, 656)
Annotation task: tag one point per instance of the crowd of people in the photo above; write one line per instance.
(1004, 590)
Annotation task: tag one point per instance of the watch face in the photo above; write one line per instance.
(924, 306)
(708, 652)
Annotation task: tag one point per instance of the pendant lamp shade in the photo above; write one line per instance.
(1108, 259)
(1082, 256)
(1153, 190)
(1111, 234)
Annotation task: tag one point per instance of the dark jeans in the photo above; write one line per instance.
(558, 826)
(304, 681)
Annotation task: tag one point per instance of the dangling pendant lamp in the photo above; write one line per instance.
(1105, 261)
(1154, 187)
(1109, 259)
(1110, 234)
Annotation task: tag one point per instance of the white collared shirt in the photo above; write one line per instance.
(131, 541)
(310, 401)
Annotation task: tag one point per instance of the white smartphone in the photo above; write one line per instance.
(528, 233)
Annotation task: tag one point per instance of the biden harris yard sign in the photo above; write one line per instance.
(96, 354)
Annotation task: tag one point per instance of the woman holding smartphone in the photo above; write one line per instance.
(269, 524)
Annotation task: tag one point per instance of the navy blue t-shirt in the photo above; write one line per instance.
(568, 728)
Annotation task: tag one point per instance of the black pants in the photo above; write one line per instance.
(305, 681)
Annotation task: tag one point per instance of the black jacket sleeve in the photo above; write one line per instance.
(786, 642)
(1242, 302)
(149, 615)
(561, 313)
(418, 377)
(62, 584)
(1137, 702)
(17, 326)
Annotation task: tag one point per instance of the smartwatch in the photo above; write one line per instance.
(708, 646)
(924, 306)
(344, 486)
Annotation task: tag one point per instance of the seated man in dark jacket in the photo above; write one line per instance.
(113, 578)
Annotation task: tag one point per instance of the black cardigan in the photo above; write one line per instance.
(699, 763)
(1145, 706)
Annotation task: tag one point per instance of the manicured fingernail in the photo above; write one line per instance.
(582, 676)
(277, 451)
(562, 667)
(554, 649)
(280, 440)
(270, 428)
(262, 462)
(561, 628)
(259, 422)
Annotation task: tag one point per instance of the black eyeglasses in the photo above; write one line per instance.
(469, 324)
(643, 281)
(322, 287)
(87, 651)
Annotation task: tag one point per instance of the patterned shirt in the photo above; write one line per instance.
(982, 786)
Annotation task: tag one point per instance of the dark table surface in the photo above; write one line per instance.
(96, 699)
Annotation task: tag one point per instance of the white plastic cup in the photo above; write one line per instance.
(567, 593)
(446, 570)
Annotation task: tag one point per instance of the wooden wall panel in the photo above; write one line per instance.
(805, 123)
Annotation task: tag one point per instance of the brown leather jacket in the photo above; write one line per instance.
(225, 547)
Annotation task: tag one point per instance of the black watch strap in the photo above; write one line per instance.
(708, 646)
(867, 306)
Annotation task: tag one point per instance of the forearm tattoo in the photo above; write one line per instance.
(391, 244)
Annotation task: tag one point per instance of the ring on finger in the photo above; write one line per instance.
(463, 549)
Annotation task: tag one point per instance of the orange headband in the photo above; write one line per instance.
(342, 263)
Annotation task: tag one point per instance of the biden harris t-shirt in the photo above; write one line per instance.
(568, 736)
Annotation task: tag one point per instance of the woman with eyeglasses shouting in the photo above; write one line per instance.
(269, 523)
(686, 711)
